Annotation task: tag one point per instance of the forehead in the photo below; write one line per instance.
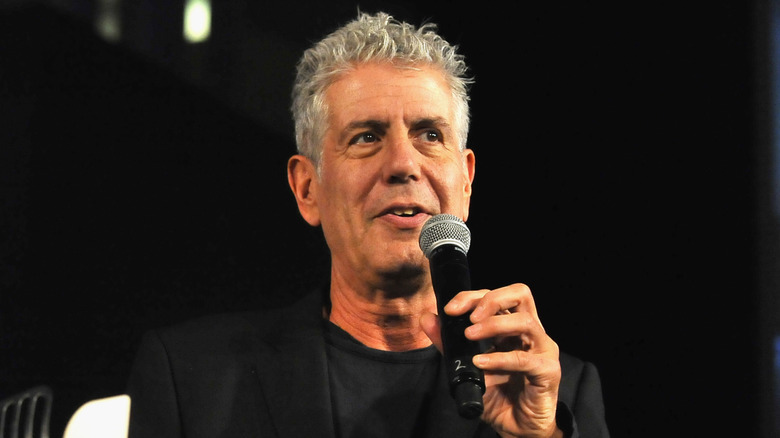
(383, 91)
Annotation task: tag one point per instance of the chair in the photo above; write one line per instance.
(27, 414)
(102, 418)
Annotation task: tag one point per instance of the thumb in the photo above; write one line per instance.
(430, 325)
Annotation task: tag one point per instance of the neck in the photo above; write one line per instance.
(381, 319)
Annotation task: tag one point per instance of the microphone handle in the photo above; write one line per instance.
(450, 275)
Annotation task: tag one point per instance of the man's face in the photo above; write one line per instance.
(390, 161)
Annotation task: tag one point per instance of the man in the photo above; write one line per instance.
(381, 114)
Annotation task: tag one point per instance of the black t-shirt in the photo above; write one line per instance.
(378, 393)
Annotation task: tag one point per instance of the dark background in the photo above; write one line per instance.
(619, 173)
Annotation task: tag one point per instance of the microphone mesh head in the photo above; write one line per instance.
(444, 229)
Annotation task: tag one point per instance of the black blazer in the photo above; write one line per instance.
(264, 374)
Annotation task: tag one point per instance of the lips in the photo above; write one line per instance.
(403, 210)
(405, 215)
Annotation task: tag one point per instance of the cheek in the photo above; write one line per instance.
(453, 190)
(342, 194)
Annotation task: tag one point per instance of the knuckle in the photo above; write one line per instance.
(522, 288)
(475, 295)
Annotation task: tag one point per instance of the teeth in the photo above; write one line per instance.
(404, 212)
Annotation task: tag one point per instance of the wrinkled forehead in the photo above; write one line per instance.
(383, 91)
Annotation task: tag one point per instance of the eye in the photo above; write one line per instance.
(363, 138)
(431, 136)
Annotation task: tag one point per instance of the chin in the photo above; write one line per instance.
(404, 280)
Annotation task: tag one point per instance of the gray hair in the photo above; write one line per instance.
(371, 38)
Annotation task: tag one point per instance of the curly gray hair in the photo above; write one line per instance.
(371, 38)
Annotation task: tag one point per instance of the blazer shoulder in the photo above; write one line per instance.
(221, 329)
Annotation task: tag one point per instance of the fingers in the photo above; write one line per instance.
(430, 325)
(540, 370)
(484, 303)
(520, 324)
(522, 370)
(508, 316)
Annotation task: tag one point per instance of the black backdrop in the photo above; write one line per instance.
(615, 176)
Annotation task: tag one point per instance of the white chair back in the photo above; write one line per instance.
(101, 418)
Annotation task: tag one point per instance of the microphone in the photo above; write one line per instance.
(445, 240)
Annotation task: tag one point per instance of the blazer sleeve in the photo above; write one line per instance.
(154, 410)
(581, 404)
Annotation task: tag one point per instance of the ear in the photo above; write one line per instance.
(302, 177)
(469, 169)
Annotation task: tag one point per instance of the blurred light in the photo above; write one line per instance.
(776, 384)
(197, 20)
(108, 20)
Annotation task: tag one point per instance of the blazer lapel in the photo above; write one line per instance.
(293, 373)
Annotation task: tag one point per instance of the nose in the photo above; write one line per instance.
(401, 162)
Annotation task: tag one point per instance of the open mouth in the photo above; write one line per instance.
(404, 211)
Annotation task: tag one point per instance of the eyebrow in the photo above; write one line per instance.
(359, 125)
(370, 123)
(381, 127)
(438, 122)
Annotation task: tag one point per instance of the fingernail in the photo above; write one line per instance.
(481, 360)
(473, 330)
(452, 306)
